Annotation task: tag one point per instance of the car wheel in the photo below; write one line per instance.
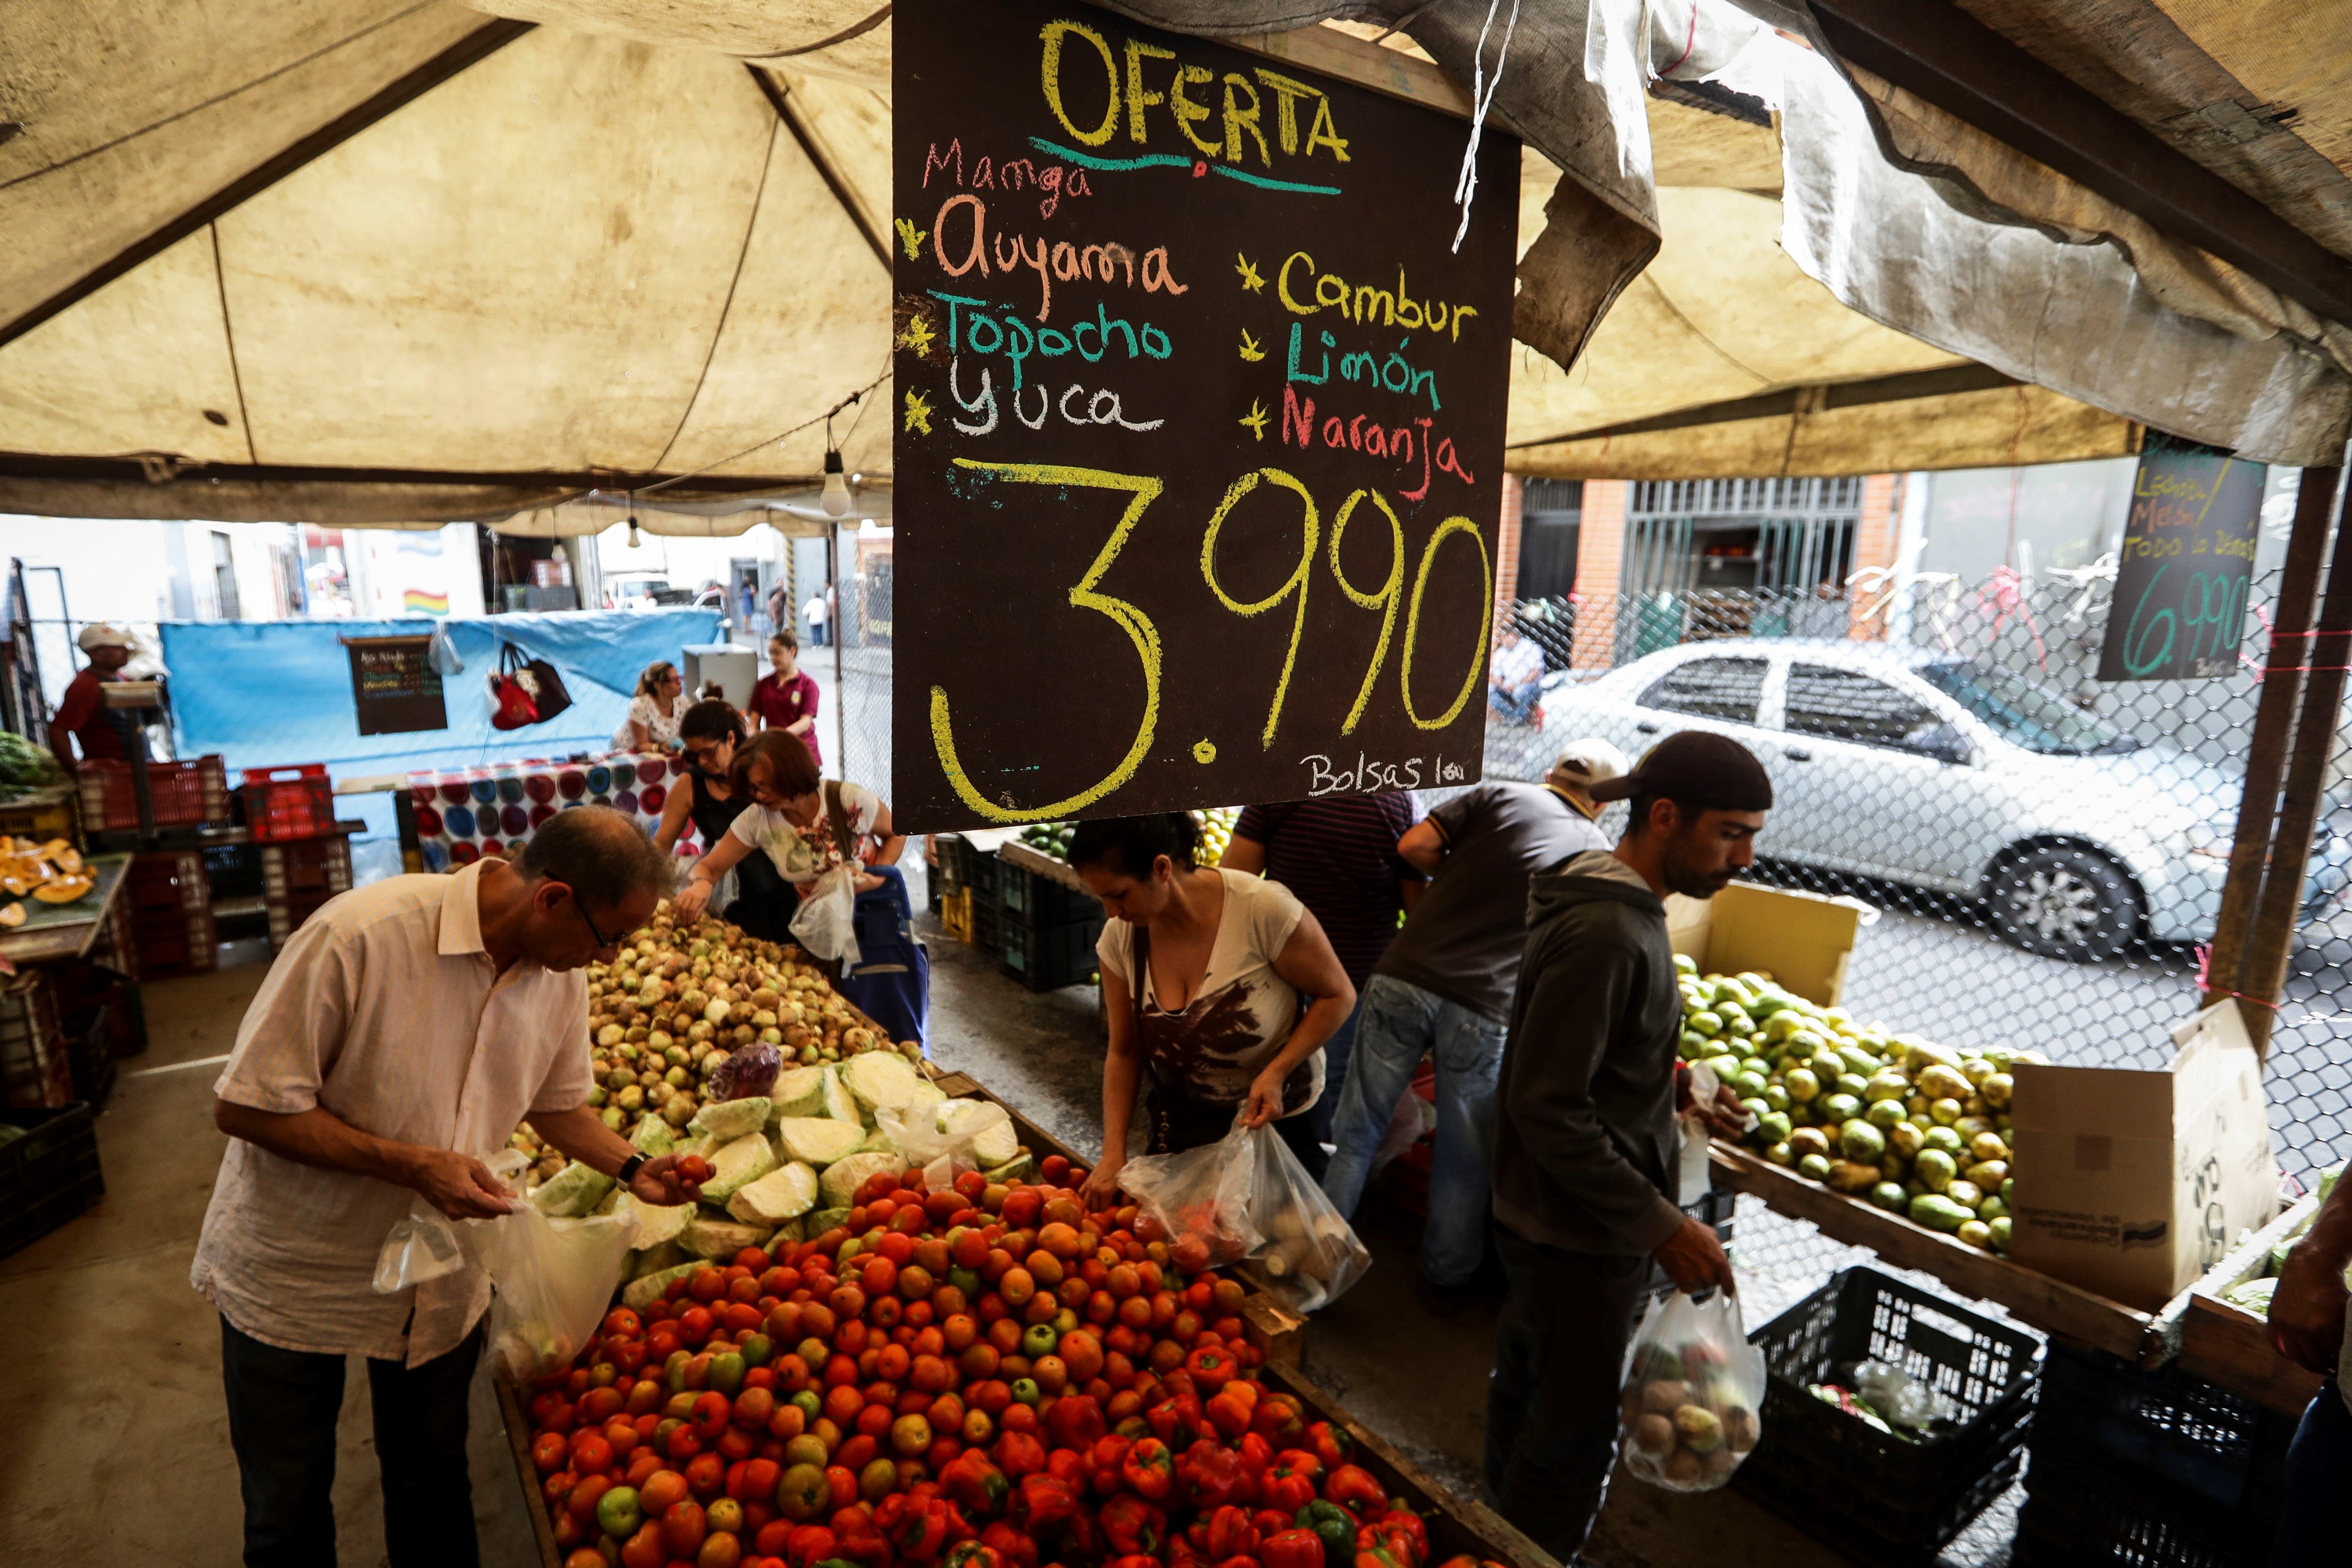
(2065, 903)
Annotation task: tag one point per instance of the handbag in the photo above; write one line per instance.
(511, 705)
(548, 691)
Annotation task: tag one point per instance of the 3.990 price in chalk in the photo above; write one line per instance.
(1383, 597)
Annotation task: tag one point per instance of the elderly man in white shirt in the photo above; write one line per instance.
(399, 1039)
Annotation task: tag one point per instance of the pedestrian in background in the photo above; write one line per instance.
(1515, 675)
(1585, 1146)
(1443, 990)
(814, 611)
(82, 713)
(786, 698)
(1339, 857)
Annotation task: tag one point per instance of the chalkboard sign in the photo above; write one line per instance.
(1199, 423)
(394, 686)
(2188, 563)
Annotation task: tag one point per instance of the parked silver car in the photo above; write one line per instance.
(1955, 774)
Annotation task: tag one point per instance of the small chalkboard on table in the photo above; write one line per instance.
(394, 686)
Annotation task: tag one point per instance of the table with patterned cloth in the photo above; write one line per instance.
(464, 813)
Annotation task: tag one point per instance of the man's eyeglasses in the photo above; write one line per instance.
(588, 920)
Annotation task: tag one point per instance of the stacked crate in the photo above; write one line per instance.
(1047, 932)
(36, 1068)
(299, 875)
(170, 915)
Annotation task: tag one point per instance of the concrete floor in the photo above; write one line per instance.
(114, 1444)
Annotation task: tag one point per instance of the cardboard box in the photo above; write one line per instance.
(1801, 939)
(2135, 1184)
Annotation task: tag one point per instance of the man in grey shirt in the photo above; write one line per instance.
(1585, 1142)
(1443, 989)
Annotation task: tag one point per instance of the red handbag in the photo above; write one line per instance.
(510, 699)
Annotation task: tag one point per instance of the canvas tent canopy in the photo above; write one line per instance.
(359, 261)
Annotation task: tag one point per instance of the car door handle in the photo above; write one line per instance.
(1797, 753)
(1646, 727)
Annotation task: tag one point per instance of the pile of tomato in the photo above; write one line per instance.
(977, 1377)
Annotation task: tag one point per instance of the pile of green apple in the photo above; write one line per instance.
(1916, 1128)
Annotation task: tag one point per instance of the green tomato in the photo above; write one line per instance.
(1026, 1392)
(618, 1513)
(1039, 1341)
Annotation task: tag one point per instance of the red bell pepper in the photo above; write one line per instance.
(1293, 1549)
(1136, 1561)
(1045, 1503)
(1149, 1469)
(923, 1528)
(1177, 1420)
(868, 1548)
(1131, 1526)
(1239, 1562)
(1076, 1421)
(1019, 1454)
(1279, 1418)
(1211, 1366)
(1208, 1475)
(1353, 1488)
(974, 1483)
(1103, 1461)
(971, 1555)
(1013, 1545)
(1377, 1557)
(1410, 1525)
(808, 1545)
(1255, 1453)
(1288, 1483)
(1332, 1445)
(1231, 1533)
(1069, 1468)
(1230, 1411)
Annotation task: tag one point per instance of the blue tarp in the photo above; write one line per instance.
(274, 693)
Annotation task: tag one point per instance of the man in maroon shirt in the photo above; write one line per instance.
(82, 713)
(786, 700)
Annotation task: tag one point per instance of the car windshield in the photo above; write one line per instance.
(2025, 714)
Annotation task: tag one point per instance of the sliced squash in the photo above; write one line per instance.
(12, 916)
(63, 890)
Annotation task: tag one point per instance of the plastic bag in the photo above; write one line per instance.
(1900, 1398)
(914, 1131)
(1693, 1388)
(1308, 1253)
(826, 923)
(1201, 1198)
(422, 1247)
(749, 1071)
(441, 653)
(554, 1279)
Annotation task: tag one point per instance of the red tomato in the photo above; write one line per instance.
(590, 1454)
(582, 1503)
(549, 1451)
(661, 1492)
(683, 1528)
(706, 1475)
(622, 1323)
(645, 1549)
(707, 1285)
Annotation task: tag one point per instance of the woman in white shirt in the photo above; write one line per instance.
(654, 713)
(1204, 972)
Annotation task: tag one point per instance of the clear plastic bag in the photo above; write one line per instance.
(826, 923)
(420, 1247)
(1308, 1253)
(915, 1133)
(1247, 1196)
(1694, 1386)
(555, 1279)
(1200, 1196)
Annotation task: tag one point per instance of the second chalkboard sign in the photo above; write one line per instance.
(394, 686)
(1199, 443)
(2186, 564)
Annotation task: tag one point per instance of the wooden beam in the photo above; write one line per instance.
(474, 48)
(779, 99)
(1328, 51)
(2263, 972)
(1948, 382)
(2273, 718)
(2050, 1305)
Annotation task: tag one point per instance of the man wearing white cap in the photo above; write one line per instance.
(81, 714)
(1443, 990)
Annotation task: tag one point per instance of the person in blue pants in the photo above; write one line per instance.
(2309, 1327)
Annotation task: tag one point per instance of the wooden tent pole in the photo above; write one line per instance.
(2272, 940)
(2273, 720)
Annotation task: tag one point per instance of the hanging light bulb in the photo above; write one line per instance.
(835, 499)
(633, 531)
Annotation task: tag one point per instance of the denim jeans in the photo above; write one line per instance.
(1396, 1025)
(2319, 1464)
(1325, 1117)
(1515, 707)
(282, 1410)
(1551, 1400)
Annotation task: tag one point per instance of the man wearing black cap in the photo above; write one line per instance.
(1584, 1137)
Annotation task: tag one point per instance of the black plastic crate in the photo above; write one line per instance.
(1041, 901)
(2099, 1413)
(2117, 1516)
(987, 925)
(49, 1175)
(1893, 1499)
(1049, 958)
(89, 1055)
(953, 854)
(984, 875)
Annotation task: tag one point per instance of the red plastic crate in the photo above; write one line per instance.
(288, 802)
(183, 795)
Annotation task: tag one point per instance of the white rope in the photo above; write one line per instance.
(1482, 95)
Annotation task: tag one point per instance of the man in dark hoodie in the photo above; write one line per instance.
(1584, 1137)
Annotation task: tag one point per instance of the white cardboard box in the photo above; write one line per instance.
(1801, 939)
(2133, 1183)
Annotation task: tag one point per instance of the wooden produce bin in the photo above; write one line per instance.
(2229, 1347)
(2050, 1305)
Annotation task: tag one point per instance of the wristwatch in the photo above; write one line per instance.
(629, 1168)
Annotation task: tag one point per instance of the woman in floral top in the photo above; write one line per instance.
(787, 819)
(654, 713)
